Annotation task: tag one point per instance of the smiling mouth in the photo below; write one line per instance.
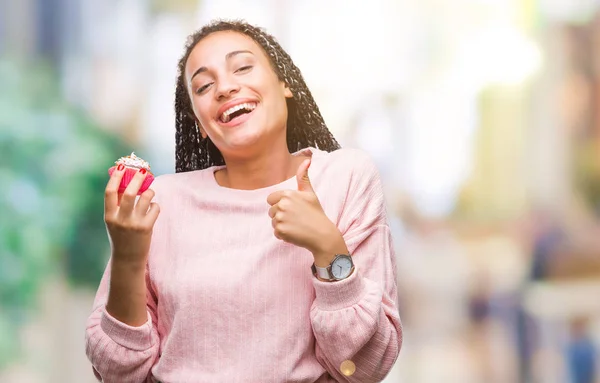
(237, 111)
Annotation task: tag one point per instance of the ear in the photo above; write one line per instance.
(198, 125)
(286, 90)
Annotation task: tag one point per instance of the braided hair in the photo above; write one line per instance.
(305, 125)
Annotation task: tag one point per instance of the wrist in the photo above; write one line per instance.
(127, 274)
(128, 264)
(329, 246)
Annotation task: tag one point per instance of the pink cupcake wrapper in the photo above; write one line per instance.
(128, 176)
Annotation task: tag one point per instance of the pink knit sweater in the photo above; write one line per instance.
(229, 302)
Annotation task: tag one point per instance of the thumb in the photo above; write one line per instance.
(302, 177)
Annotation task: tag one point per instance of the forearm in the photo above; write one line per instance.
(357, 318)
(127, 293)
(121, 351)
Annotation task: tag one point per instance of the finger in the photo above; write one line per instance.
(273, 210)
(128, 199)
(275, 197)
(302, 177)
(111, 193)
(153, 213)
(143, 203)
(279, 232)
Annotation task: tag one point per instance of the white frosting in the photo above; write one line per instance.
(133, 161)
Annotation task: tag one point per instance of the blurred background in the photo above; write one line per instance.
(483, 117)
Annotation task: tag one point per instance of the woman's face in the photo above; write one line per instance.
(236, 96)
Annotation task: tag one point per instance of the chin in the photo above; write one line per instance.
(239, 145)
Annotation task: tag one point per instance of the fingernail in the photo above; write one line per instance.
(120, 167)
(143, 171)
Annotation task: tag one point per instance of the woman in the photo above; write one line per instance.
(271, 258)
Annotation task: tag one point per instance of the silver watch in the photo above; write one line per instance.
(340, 268)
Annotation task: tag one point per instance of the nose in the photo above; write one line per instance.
(226, 86)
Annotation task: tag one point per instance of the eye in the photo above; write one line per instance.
(245, 68)
(203, 88)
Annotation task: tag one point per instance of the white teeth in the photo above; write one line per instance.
(249, 105)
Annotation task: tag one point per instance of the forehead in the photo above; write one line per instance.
(213, 49)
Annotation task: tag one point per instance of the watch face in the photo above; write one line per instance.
(341, 267)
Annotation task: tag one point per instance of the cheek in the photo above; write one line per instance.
(202, 111)
(277, 97)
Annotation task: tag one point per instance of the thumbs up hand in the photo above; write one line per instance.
(302, 178)
(298, 218)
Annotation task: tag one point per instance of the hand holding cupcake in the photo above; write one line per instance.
(129, 219)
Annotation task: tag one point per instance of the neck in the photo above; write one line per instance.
(267, 168)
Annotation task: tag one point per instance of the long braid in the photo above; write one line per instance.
(305, 125)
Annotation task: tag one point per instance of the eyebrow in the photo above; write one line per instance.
(228, 56)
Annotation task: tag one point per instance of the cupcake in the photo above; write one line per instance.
(133, 164)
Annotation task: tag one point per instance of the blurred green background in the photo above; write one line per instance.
(54, 162)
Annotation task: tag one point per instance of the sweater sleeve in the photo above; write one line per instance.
(119, 352)
(357, 319)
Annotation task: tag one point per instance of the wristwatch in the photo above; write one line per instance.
(340, 268)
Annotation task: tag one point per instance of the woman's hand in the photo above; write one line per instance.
(297, 217)
(129, 222)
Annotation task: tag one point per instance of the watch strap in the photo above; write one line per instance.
(322, 272)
